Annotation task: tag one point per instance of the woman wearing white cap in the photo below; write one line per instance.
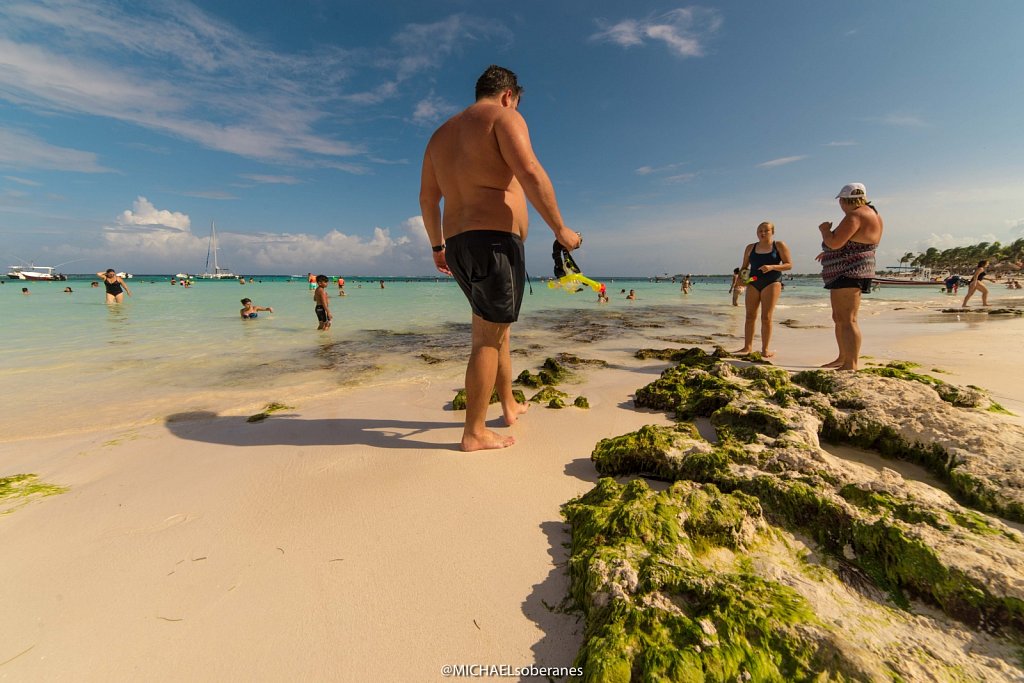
(848, 266)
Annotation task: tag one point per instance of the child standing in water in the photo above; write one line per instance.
(322, 308)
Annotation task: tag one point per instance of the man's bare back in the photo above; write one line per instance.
(479, 187)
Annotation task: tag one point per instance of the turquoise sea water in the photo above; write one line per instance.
(71, 362)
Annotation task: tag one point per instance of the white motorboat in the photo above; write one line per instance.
(35, 273)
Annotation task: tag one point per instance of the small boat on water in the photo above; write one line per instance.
(35, 273)
(915, 277)
(217, 273)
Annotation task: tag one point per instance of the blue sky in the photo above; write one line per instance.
(670, 130)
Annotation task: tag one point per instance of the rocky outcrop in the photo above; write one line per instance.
(865, 551)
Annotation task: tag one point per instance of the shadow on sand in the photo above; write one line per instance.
(287, 430)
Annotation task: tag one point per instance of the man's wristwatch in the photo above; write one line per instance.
(439, 247)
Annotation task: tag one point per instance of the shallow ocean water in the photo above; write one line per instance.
(70, 362)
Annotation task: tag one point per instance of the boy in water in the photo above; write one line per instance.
(322, 308)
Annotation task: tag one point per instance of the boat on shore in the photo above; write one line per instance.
(217, 273)
(35, 273)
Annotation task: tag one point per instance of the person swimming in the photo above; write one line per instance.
(249, 311)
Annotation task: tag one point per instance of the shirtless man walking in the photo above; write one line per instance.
(481, 163)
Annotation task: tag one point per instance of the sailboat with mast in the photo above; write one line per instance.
(217, 273)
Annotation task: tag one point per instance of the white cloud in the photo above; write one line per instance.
(684, 31)
(272, 179)
(1016, 225)
(22, 181)
(23, 151)
(165, 239)
(681, 178)
(431, 110)
(841, 143)
(782, 161)
(143, 213)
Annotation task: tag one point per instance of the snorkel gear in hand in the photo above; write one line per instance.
(567, 274)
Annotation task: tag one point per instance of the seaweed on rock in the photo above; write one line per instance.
(657, 610)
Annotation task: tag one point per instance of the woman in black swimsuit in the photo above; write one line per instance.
(976, 285)
(766, 259)
(116, 287)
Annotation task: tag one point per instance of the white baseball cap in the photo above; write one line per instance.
(853, 190)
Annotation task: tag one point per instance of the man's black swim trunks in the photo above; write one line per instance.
(490, 267)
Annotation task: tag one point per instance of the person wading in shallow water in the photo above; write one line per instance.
(481, 163)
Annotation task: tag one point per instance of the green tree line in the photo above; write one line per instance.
(964, 259)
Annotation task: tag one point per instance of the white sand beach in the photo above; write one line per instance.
(347, 539)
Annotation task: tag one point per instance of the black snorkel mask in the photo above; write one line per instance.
(564, 263)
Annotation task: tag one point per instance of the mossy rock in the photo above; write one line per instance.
(459, 402)
(672, 453)
(581, 402)
(546, 394)
(575, 361)
(822, 381)
(655, 611)
(689, 392)
(766, 378)
(556, 403)
(748, 421)
(970, 397)
(691, 357)
(526, 378)
(552, 372)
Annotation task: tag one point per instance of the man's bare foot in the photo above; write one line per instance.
(742, 352)
(767, 354)
(486, 440)
(512, 414)
(834, 364)
(848, 368)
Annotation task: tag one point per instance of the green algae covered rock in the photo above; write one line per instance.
(692, 357)
(689, 392)
(556, 403)
(581, 402)
(530, 380)
(657, 610)
(546, 394)
(964, 397)
(552, 372)
(459, 402)
(672, 453)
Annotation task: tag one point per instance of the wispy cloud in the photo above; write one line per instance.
(684, 31)
(272, 179)
(431, 110)
(649, 170)
(24, 151)
(22, 181)
(210, 194)
(681, 178)
(841, 143)
(172, 68)
(782, 161)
